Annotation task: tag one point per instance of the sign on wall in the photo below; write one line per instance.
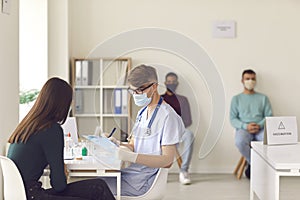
(280, 130)
(6, 4)
(224, 29)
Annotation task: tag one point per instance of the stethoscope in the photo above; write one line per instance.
(139, 118)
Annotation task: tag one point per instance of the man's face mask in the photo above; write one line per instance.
(171, 87)
(249, 84)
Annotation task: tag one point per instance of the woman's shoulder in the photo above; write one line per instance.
(53, 130)
(50, 135)
(54, 126)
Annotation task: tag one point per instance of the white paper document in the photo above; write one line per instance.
(104, 151)
(70, 126)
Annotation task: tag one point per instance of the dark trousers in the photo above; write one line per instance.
(92, 189)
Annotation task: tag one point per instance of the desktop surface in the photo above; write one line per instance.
(280, 157)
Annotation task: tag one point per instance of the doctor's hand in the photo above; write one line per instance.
(125, 154)
(112, 139)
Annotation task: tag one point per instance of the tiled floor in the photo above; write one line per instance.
(224, 187)
(208, 187)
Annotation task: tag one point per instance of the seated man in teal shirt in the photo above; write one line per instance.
(247, 115)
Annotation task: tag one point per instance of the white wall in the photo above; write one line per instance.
(58, 42)
(267, 40)
(9, 81)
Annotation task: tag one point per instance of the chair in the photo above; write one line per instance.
(156, 192)
(13, 183)
(6, 148)
(239, 169)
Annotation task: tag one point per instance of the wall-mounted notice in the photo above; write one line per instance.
(224, 29)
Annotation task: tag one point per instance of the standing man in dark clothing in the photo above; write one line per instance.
(182, 107)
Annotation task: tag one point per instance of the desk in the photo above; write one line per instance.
(269, 163)
(91, 167)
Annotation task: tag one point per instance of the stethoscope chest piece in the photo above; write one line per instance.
(148, 132)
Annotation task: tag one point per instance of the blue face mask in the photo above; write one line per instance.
(141, 99)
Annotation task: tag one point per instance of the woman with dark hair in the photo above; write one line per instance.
(38, 141)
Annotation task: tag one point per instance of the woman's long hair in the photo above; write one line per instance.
(52, 106)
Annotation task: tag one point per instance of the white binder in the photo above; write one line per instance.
(86, 70)
(118, 101)
(78, 73)
(78, 101)
(124, 101)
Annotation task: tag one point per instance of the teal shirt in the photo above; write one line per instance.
(247, 108)
(41, 149)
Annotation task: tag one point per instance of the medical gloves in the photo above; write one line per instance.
(126, 154)
(123, 152)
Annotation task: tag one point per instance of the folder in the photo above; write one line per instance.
(86, 70)
(78, 74)
(78, 101)
(124, 101)
(118, 101)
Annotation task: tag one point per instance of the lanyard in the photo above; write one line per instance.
(153, 116)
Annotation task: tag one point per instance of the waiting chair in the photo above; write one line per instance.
(13, 183)
(156, 192)
(239, 169)
(6, 148)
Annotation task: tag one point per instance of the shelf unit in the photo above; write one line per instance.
(100, 95)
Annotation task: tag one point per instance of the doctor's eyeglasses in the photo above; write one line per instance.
(139, 90)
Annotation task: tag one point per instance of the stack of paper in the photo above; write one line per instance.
(104, 151)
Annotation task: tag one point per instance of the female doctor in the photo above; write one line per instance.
(152, 143)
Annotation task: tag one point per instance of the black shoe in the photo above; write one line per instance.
(247, 172)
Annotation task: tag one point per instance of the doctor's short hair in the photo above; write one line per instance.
(141, 75)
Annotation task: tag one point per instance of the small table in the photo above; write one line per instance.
(89, 166)
(268, 164)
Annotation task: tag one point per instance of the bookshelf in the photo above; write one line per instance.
(100, 95)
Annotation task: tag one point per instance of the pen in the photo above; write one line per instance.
(112, 132)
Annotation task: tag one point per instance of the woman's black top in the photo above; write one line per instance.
(41, 149)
